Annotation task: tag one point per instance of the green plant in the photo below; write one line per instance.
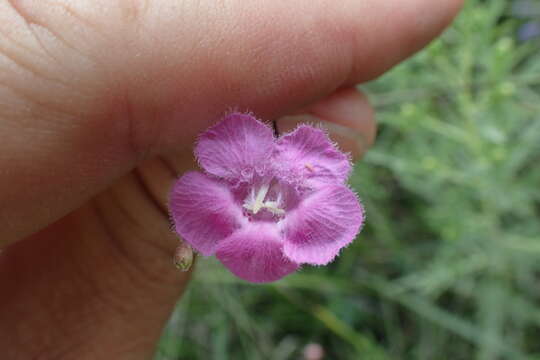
(447, 267)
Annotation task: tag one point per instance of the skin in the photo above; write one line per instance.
(100, 102)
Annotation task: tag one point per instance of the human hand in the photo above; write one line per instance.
(100, 103)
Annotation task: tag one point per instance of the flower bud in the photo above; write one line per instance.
(183, 256)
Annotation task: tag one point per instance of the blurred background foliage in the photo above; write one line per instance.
(448, 264)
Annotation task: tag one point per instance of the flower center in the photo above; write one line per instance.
(257, 200)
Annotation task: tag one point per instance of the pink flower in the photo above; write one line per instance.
(265, 206)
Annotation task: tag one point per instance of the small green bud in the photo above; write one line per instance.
(183, 256)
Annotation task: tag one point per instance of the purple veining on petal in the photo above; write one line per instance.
(255, 254)
(307, 155)
(204, 211)
(264, 206)
(325, 222)
(236, 148)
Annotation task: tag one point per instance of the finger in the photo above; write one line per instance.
(347, 116)
(107, 279)
(86, 92)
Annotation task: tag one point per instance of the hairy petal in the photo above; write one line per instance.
(203, 211)
(322, 224)
(255, 254)
(235, 148)
(307, 155)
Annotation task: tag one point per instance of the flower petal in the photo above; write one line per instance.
(236, 147)
(307, 155)
(322, 224)
(255, 254)
(204, 211)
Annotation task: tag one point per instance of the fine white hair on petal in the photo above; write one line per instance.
(236, 148)
(266, 205)
(325, 222)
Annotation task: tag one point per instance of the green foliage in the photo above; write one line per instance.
(447, 265)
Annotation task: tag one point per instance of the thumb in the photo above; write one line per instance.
(89, 88)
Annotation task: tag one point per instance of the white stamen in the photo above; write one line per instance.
(259, 200)
(273, 207)
(255, 203)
